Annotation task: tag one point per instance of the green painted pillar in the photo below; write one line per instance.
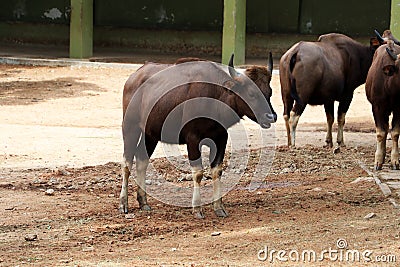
(395, 18)
(81, 29)
(234, 31)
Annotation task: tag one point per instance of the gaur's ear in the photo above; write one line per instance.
(389, 70)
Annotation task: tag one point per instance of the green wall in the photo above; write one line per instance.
(176, 26)
(353, 17)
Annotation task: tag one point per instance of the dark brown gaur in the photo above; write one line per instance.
(320, 73)
(142, 131)
(383, 92)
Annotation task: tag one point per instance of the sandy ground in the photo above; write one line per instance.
(60, 130)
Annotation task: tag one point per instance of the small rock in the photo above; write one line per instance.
(195, 235)
(174, 249)
(49, 192)
(31, 237)
(215, 233)
(88, 249)
(129, 216)
(317, 189)
(369, 216)
(362, 179)
(148, 182)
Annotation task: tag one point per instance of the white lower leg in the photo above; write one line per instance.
(197, 174)
(380, 148)
(219, 209)
(329, 122)
(341, 121)
(289, 139)
(293, 121)
(395, 148)
(123, 197)
(141, 167)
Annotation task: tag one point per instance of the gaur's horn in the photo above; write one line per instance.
(391, 54)
(380, 38)
(270, 62)
(231, 68)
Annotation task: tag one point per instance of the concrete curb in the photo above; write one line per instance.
(65, 63)
(383, 186)
(73, 62)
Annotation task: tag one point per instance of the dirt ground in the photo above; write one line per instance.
(60, 130)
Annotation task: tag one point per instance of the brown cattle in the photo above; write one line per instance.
(190, 103)
(383, 92)
(320, 73)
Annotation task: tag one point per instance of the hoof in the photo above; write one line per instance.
(198, 213)
(221, 213)
(123, 209)
(145, 207)
(396, 167)
(378, 167)
(328, 144)
(336, 150)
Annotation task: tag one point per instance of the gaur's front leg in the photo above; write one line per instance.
(395, 139)
(330, 117)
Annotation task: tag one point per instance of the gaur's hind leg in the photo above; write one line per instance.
(329, 111)
(288, 105)
(123, 197)
(294, 120)
(145, 150)
(341, 117)
(130, 148)
(395, 140)
(216, 172)
(194, 155)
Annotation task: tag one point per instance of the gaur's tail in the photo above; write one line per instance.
(293, 90)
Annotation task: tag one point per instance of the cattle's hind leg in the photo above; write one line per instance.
(130, 148)
(216, 173)
(123, 197)
(395, 140)
(329, 111)
(194, 155)
(343, 107)
(294, 120)
(145, 150)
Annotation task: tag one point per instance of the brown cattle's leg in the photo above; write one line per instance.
(395, 140)
(288, 105)
(341, 121)
(216, 173)
(330, 117)
(194, 155)
(381, 118)
(294, 120)
(130, 149)
(145, 150)
(123, 197)
(380, 153)
(289, 138)
(343, 107)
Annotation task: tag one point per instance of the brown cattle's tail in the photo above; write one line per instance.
(293, 90)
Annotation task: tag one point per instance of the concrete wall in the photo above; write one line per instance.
(180, 27)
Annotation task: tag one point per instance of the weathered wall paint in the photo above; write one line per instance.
(263, 16)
